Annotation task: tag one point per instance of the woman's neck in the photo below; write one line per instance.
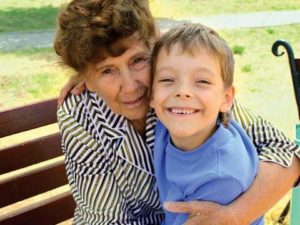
(139, 125)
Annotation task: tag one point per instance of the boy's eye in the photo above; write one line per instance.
(202, 82)
(166, 80)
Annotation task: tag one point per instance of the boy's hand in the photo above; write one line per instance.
(202, 212)
(73, 86)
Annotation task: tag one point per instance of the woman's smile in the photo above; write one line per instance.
(135, 102)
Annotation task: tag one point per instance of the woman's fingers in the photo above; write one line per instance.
(181, 207)
(78, 89)
(201, 212)
(73, 86)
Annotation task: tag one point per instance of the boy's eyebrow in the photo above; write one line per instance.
(198, 69)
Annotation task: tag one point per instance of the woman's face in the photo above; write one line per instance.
(123, 82)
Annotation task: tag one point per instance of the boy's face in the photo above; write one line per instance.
(188, 94)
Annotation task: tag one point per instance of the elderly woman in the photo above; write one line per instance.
(108, 130)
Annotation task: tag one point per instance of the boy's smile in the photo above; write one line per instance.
(182, 110)
(188, 94)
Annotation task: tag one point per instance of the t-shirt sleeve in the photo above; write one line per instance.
(222, 190)
(271, 144)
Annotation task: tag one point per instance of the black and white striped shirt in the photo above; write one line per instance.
(109, 165)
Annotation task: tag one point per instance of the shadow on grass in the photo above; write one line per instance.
(27, 19)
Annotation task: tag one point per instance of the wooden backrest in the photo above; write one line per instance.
(33, 184)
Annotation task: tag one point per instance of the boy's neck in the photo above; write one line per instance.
(192, 142)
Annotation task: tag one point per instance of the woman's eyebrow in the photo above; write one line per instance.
(100, 67)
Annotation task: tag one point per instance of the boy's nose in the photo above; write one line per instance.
(183, 91)
(183, 95)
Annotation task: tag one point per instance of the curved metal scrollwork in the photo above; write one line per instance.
(289, 51)
(295, 74)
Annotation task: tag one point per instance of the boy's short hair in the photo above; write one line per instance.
(88, 30)
(192, 36)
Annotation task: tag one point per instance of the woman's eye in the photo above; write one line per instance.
(108, 71)
(139, 63)
(138, 60)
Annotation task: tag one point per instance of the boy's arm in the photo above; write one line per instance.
(277, 173)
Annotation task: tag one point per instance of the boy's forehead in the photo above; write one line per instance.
(179, 48)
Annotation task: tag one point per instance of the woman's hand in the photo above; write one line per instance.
(73, 86)
(203, 212)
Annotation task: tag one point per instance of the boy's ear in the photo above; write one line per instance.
(228, 99)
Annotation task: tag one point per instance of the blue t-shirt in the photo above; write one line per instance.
(219, 170)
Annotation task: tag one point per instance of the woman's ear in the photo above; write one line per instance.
(89, 86)
(88, 79)
(228, 99)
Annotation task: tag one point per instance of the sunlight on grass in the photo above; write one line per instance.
(182, 8)
(28, 76)
(30, 3)
(266, 88)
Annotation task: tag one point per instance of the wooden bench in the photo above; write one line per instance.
(33, 184)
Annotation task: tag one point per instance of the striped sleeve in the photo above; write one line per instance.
(108, 165)
(271, 144)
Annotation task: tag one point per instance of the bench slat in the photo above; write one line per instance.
(32, 184)
(47, 211)
(28, 117)
(29, 153)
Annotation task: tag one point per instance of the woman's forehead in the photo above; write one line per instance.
(135, 49)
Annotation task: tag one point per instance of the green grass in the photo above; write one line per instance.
(27, 19)
(27, 76)
(182, 8)
(27, 15)
(263, 81)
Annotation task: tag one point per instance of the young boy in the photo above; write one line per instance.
(199, 152)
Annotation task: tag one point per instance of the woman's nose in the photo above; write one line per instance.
(129, 83)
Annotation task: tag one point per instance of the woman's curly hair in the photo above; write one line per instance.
(88, 29)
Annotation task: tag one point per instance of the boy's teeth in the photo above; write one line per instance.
(182, 111)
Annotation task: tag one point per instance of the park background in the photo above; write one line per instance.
(263, 81)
